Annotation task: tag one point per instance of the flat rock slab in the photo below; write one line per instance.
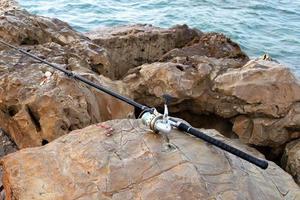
(121, 159)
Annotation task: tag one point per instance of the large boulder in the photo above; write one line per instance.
(123, 160)
(260, 98)
(132, 46)
(271, 93)
(291, 159)
(35, 109)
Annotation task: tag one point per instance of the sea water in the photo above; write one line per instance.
(259, 26)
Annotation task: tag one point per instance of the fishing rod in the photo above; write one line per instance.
(157, 122)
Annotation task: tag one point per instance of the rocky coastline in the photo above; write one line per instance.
(57, 126)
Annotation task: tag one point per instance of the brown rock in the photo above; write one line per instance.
(131, 46)
(270, 92)
(35, 110)
(291, 159)
(6, 147)
(260, 98)
(6, 5)
(271, 86)
(132, 164)
(21, 27)
(211, 45)
(187, 81)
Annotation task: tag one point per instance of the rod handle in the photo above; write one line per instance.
(258, 162)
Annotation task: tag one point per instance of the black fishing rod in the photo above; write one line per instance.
(157, 122)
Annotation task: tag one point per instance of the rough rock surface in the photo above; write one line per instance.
(260, 98)
(131, 46)
(271, 93)
(291, 159)
(211, 45)
(6, 5)
(35, 110)
(207, 74)
(7, 146)
(20, 27)
(132, 164)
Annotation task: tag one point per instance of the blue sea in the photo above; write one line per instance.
(264, 26)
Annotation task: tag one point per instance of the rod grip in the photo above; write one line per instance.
(258, 162)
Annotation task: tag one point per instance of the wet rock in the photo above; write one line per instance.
(132, 164)
(36, 109)
(131, 46)
(260, 98)
(291, 159)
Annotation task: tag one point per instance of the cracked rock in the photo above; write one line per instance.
(132, 164)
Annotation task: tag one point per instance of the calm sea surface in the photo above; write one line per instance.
(265, 26)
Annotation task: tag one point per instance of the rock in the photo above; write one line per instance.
(6, 147)
(270, 92)
(22, 28)
(183, 79)
(132, 164)
(131, 46)
(6, 5)
(291, 159)
(260, 98)
(211, 45)
(35, 109)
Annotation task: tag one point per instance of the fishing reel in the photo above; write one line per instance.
(159, 123)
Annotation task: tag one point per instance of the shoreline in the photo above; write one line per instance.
(257, 34)
(251, 103)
